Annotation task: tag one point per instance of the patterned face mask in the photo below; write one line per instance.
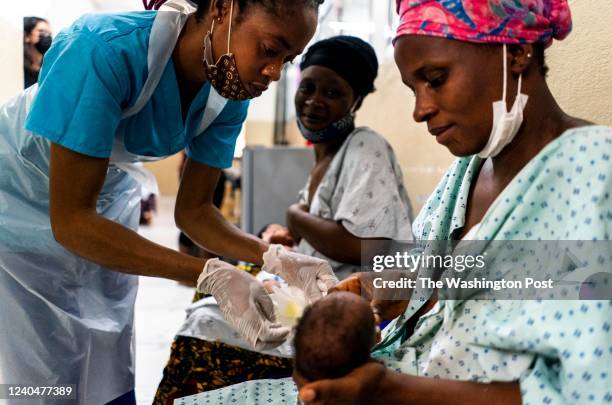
(223, 75)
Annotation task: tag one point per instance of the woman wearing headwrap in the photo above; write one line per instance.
(525, 171)
(356, 189)
(355, 192)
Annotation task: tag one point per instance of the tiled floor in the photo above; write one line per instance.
(160, 309)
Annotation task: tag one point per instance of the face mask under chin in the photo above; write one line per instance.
(506, 124)
(338, 129)
(223, 75)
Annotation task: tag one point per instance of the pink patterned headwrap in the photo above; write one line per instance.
(486, 21)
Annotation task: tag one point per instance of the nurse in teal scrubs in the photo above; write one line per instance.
(114, 90)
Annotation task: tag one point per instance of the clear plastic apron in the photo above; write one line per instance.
(63, 319)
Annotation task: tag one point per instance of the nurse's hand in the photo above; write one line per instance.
(312, 275)
(360, 386)
(244, 303)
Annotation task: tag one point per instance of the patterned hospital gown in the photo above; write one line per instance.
(560, 351)
(363, 189)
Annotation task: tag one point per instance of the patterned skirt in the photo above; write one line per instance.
(197, 365)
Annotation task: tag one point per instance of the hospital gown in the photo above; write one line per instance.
(364, 190)
(560, 351)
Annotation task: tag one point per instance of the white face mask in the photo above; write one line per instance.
(505, 124)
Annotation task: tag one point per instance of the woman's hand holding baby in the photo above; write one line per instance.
(373, 383)
(360, 386)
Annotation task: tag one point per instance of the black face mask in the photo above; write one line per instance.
(44, 43)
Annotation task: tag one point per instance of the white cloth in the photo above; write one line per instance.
(205, 321)
(363, 189)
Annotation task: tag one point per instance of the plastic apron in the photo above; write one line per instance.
(63, 319)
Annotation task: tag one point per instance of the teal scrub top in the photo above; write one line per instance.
(96, 69)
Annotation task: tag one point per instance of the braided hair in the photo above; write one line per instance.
(203, 5)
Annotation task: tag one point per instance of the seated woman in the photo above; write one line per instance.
(356, 189)
(510, 182)
(355, 192)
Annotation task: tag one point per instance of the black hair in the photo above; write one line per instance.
(333, 337)
(273, 5)
(29, 23)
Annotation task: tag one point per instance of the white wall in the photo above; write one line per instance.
(11, 49)
(581, 65)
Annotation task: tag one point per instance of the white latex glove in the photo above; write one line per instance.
(244, 304)
(312, 275)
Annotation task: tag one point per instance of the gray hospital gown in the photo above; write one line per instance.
(364, 190)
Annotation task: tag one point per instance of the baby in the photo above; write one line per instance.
(333, 337)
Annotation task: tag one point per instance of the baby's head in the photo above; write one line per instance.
(334, 336)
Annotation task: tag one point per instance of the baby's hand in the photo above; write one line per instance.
(385, 305)
(279, 234)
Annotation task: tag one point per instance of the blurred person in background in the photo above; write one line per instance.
(36, 41)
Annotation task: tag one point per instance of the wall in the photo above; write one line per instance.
(11, 49)
(581, 65)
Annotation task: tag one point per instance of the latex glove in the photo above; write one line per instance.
(244, 304)
(312, 275)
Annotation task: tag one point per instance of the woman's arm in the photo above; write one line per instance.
(74, 185)
(324, 235)
(396, 387)
(374, 384)
(196, 215)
